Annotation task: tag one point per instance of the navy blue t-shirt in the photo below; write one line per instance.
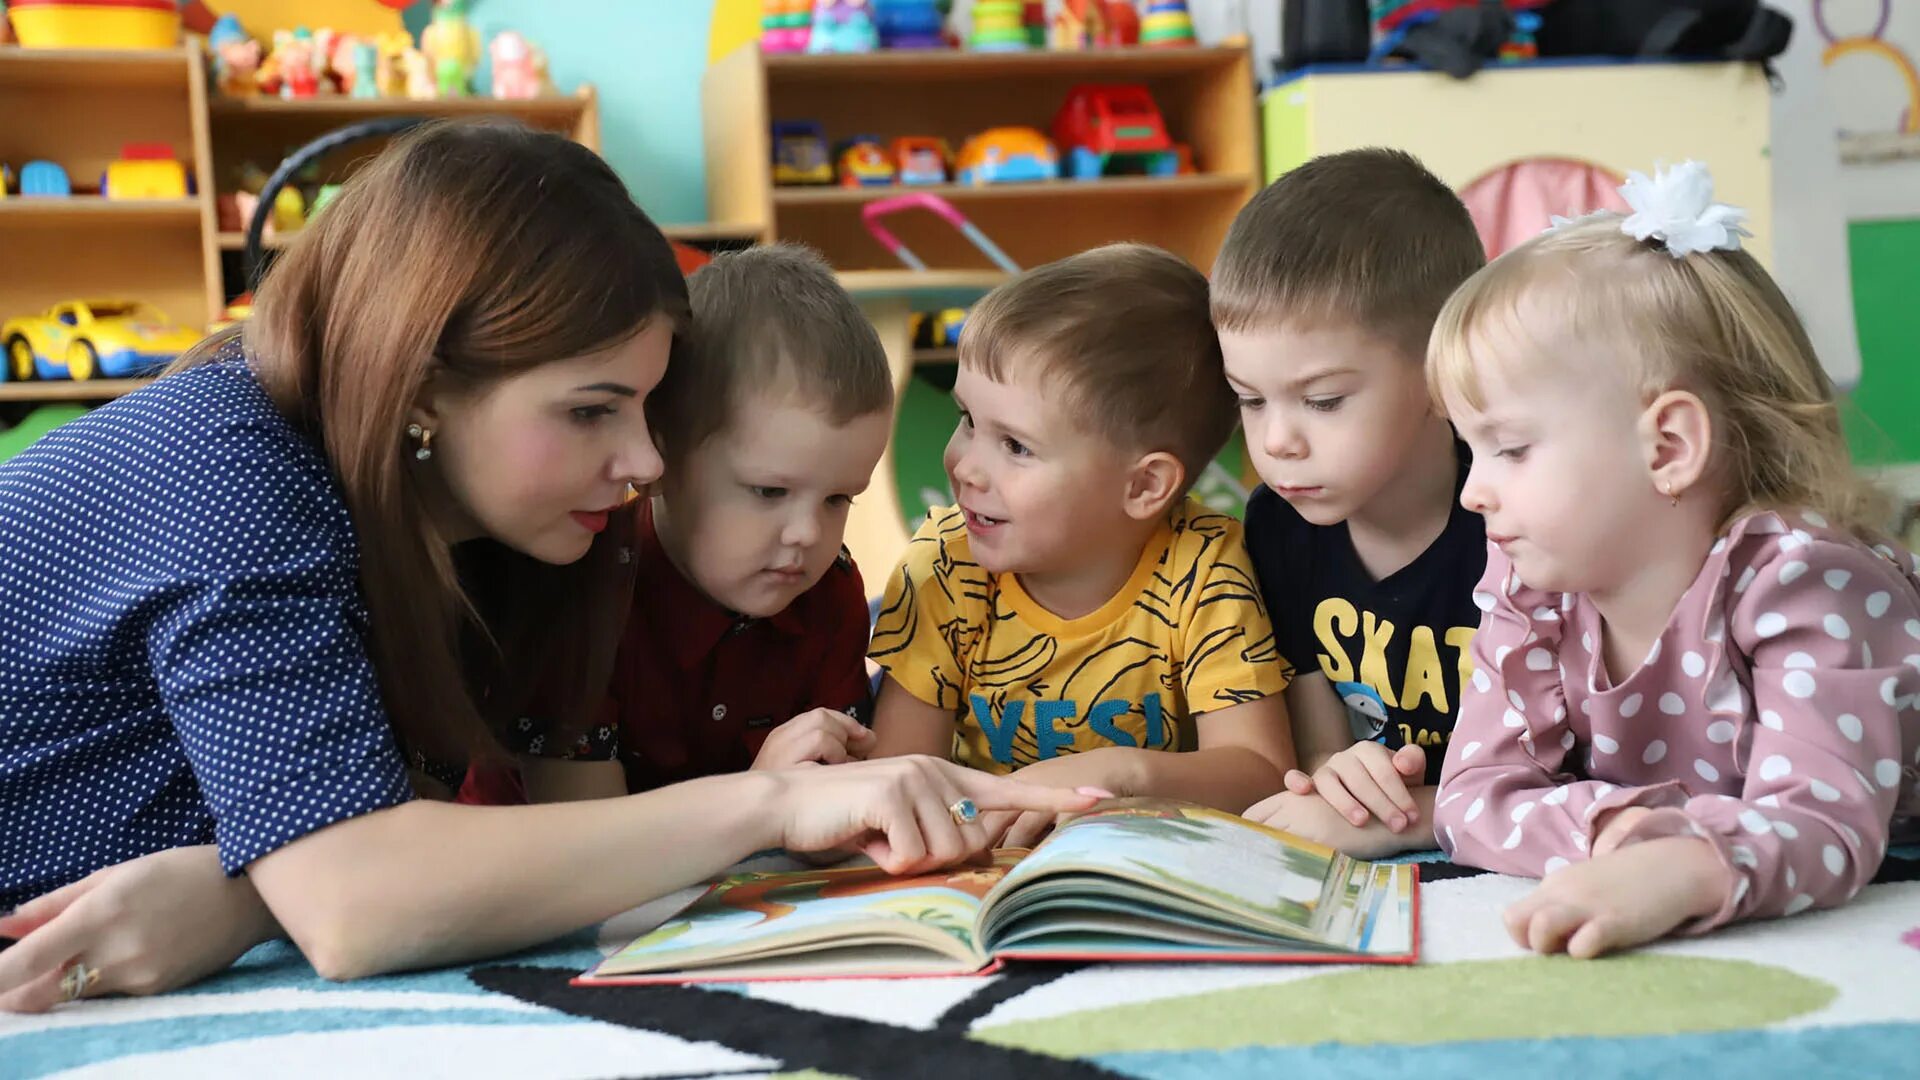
(182, 638)
(1394, 649)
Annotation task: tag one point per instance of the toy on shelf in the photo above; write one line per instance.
(364, 80)
(1006, 155)
(418, 72)
(1123, 23)
(6, 174)
(785, 25)
(1113, 128)
(44, 178)
(909, 24)
(800, 153)
(999, 26)
(864, 162)
(89, 339)
(1033, 18)
(145, 171)
(1166, 24)
(236, 57)
(920, 159)
(297, 78)
(1521, 45)
(239, 311)
(872, 212)
(90, 24)
(517, 67)
(842, 26)
(453, 45)
(939, 329)
(1079, 24)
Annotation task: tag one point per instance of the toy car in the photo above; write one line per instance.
(920, 159)
(1113, 127)
(800, 153)
(44, 178)
(1005, 155)
(145, 172)
(863, 163)
(89, 339)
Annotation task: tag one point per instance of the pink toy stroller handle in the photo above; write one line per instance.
(879, 208)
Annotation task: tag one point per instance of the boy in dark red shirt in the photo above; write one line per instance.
(746, 643)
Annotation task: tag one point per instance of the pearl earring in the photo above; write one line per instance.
(425, 438)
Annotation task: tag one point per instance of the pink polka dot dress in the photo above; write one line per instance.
(1776, 717)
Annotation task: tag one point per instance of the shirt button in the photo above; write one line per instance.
(719, 712)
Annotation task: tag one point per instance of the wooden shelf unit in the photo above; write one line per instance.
(81, 106)
(1205, 94)
(77, 109)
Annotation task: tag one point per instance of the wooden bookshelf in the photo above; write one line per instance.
(1205, 94)
(86, 104)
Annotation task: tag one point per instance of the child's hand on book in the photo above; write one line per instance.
(1367, 781)
(1635, 894)
(907, 814)
(816, 737)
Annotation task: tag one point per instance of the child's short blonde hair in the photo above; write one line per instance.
(1712, 323)
(1124, 330)
(1366, 238)
(768, 319)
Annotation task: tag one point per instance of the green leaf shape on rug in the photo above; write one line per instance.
(1530, 997)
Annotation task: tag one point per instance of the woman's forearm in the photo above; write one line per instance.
(431, 883)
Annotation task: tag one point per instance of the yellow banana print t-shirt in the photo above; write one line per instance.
(1187, 634)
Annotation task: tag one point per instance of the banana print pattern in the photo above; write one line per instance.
(1187, 634)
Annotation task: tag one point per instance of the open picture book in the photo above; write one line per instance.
(1131, 880)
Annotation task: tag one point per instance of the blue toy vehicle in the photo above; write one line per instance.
(44, 178)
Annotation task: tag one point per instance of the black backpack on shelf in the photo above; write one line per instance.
(1720, 29)
(1458, 42)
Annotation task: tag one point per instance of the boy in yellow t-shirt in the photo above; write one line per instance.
(1078, 613)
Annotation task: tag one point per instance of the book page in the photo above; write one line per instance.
(757, 916)
(1256, 875)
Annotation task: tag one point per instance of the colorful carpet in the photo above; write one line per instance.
(1823, 994)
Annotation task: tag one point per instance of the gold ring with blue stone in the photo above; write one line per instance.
(964, 812)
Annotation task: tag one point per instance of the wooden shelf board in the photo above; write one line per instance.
(93, 68)
(936, 356)
(924, 289)
(938, 65)
(237, 241)
(707, 231)
(347, 109)
(65, 390)
(88, 209)
(1117, 186)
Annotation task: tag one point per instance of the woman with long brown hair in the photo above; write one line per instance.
(368, 535)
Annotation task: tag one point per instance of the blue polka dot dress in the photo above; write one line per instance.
(182, 638)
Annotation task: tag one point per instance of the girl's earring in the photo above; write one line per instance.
(1667, 490)
(424, 436)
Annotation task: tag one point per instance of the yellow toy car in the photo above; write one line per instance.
(92, 339)
(145, 172)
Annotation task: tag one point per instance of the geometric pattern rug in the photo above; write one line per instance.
(1833, 993)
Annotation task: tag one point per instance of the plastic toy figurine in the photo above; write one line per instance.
(1167, 24)
(842, 26)
(800, 153)
(908, 24)
(1100, 127)
(453, 45)
(1123, 24)
(999, 26)
(387, 76)
(1079, 24)
(864, 163)
(365, 82)
(145, 171)
(920, 159)
(6, 174)
(785, 25)
(516, 75)
(236, 57)
(89, 339)
(297, 80)
(1006, 155)
(44, 178)
(418, 72)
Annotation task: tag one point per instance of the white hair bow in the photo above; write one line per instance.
(1676, 207)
